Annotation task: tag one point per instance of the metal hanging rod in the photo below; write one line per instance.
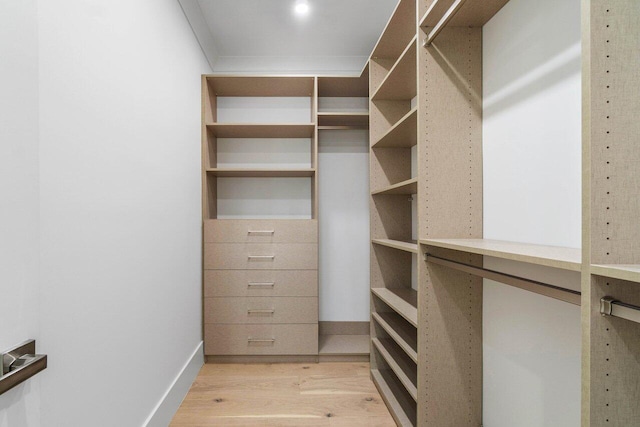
(448, 15)
(615, 308)
(556, 292)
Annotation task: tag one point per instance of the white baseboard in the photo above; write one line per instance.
(165, 409)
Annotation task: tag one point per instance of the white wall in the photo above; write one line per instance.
(120, 206)
(19, 198)
(343, 220)
(532, 193)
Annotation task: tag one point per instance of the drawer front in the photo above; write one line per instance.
(261, 231)
(258, 256)
(260, 283)
(260, 339)
(261, 310)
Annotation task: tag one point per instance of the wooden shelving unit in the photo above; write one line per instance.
(404, 368)
(402, 134)
(255, 130)
(404, 334)
(400, 82)
(261, 173)
(400, 404)
(407, 187)
(403, 301)
(397, 244)
(550, 256)
(628, 272)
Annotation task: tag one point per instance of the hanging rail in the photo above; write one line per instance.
(19, 364)
(556, 292)
(448, 15)
(615, 308)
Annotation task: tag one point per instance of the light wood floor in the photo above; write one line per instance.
(311, 394)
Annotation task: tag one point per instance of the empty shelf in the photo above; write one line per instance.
(403, 134)
(629, 272)
(359, 120)
(403, 300)
(344, 345)
(260, 86)
(400, 83)
(550, 256)
(402, 410)
(408, 187)
(405, 369)
(397, 32)
(253, 173)
(271, 130)
(471, 13)
(357, 86)
(402, 333)
(397, 244)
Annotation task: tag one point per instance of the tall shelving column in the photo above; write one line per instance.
(611, 200)
(393, 136)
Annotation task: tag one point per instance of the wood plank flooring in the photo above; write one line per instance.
(288, 394)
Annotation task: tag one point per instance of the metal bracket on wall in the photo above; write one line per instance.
(19, 364)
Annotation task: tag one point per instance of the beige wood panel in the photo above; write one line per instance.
(234, 85)
(398, 32)
(403, 134)
(345, 344)
(259, 130)
(260, 256)
(390, 268)
(404, 301)
(385, 114)
(379, 69)
(244, 310)
(615, 358)
(261, 231)
(615, 152)
(391, 217)
(268, 339)
(389, 166)
(262, 173)
(630, 272)
(357, 86)
(400, 82)
(209, 103)
(551, 256)
(450, 345)
(400, 404)
(344, 328)
(260, 283)
(210, 150)
(450, 159)
(398, 329)
(407, 188)
(473, 13)
(357, 120)
(210, 191)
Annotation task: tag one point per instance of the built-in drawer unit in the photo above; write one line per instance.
(261, 310)
(260, 256)
(261, 231)
(256, 283)
(268, 339)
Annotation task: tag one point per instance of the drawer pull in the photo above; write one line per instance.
(262, 284)
(268, 340)
(261, 257)
(260, 311)
(261, 231)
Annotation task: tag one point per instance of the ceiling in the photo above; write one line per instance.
(267, 36)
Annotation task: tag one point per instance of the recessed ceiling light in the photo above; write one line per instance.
(301, 7)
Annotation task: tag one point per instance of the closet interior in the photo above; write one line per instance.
(421, 99)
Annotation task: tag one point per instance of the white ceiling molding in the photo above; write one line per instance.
(192, 11)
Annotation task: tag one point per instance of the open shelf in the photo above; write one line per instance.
(400, 83)
(470, 13)
(402, 410)
(397, 32)
(400, 331)
(344, 345)
(408, 187)
(251, 130)
(260, 85)
(333, 87)
(258, 173)
(403, 134)
(628, 272)
(404, 368)
(397, 244)
(403, 300)
(343, 119)
(550, 256)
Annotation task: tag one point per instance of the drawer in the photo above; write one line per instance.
(260, 339)
(261, 310)
(261, 256)
(256, 283)
(261, 231)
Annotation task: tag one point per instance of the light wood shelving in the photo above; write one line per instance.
(550, 256)
(403, 301)
(397, 244)
(402, 410)
(400, 331)
(358, 120)
(261, 173)
(407, 187)
(404, 368)
(400, 82)
(402, 134)
(628, 272)
(255, 130)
